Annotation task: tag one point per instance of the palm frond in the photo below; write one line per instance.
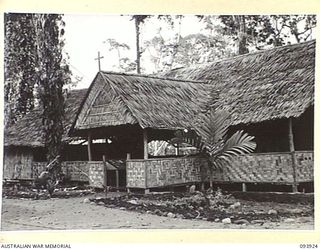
(190, 137)
(209, 137)
(213, 127)
(239, 143)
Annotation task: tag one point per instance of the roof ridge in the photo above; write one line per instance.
(82, 89)
(243, 55)
(153, 77)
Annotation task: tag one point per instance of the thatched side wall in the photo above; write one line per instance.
(17, 163)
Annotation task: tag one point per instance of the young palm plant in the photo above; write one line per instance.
(209, 136)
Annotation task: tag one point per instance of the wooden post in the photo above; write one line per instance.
(89, 146)
(117, 180)
(145, 157)
(244, 187)
(128, 158)
(105, 180)
(293, 156)
(202, 186)
(145, 144)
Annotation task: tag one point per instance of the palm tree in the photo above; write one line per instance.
(138, 20)
(209, 136)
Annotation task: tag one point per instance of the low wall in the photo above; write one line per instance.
(163, 172)
(268, 168)
(75, 170)
(82, 171)
(253, 168)
(305, 169)
(37, 168)
(96, 174)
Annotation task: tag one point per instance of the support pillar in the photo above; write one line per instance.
(89, 146)
(145, 157)
(128, 158)
(117, 180)
(177, 149)
(244, 187)
(202, 186)
(145, 144)
(293, 156)
(105, 174)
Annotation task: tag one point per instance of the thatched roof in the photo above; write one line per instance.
(118, 99)
(266, 85)
(27, 131)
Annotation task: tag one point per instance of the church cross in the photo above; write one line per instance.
(98, 58)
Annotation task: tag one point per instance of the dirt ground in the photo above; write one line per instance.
(74, 213)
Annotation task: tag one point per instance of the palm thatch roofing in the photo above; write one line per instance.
(27, 131)
(117, 99)
(271, 84)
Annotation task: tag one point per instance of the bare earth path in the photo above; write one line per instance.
(72, 213)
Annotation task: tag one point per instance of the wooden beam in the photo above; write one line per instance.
(117, 180)
(244, 187)
(105, 174)
(177, 149)
(128, 156)
(89, 146)
(293, 156)
(145, 144)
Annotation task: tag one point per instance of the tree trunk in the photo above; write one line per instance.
(52, 76)
(211, 181)
(138, 44)
(203, 172)
(242, 36)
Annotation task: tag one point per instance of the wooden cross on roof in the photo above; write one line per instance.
(98, 58)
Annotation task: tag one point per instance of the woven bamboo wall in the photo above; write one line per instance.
(37, 168)
(136, 175)
(166, 172)
(29, 169)
(255, 168)
(305, 171)
(268, 168)
(76, 170)
(96, 175)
